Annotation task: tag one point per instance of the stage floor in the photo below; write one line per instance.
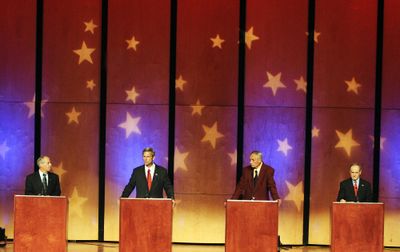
(113, 247)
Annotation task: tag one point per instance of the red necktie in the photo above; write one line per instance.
(355, 188)
(148, 179)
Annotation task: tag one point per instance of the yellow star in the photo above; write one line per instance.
(316, 35)
(31, 107)
(233, 157)
(90, 84)
(84, 53)
(4, 149)
(274, 82)
(132, 43)
(295, 194)
(284, 146)
(179, 160)
(180, 82)
(346, 141)
(90, 26)
(73, 116)
(59, 170)
(301, 84)
(211, 134)
(131, 95)
(250, 37)
(353, 85)
(217, 42)
(383, 140)
(75, 203)
(130, 125)
(315, 132)
(197, 108)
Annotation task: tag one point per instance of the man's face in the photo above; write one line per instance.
(148, 158)
(255, 160)
(45, 164)
(355, 172)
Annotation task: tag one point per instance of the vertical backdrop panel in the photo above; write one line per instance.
(279, 134)
(340, 137)
(206, 117)
(70, 126)
(137, 94)
(17, 87)
(389, 189)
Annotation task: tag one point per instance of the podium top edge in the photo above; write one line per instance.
(39, 196)
(356, 203)
(270, 201)
(165, 199)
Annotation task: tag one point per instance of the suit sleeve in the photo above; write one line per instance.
(341, 192)
(169, 189)
(57, 190)
(272, 186)
(240, 187)
(130, 186)
(29, 186)
(370, 197)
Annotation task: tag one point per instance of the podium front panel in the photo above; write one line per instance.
(145, 225)
(357, 227)
(251, 226)
(40, 223)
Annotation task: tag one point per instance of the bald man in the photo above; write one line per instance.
(355, 189)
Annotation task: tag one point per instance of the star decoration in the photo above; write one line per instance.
(352, 86)
(217, 41)
(75, 203)
(250, 37)
(132, 43)
(179, 160)
(4, 149)
(316, 35)
(211, 134)
(130, 125)
(131, 95)
(197, 108)
(59, 170)
(233, 157)
(274, 82)
(284, 146)
(180, 82)
(315, 132)
(383, 140)
(31, 107)
(90, 26)
(301, 84)
(90, 84)
(73, 116)
(346, 141)
(295, 194)
(84, 53)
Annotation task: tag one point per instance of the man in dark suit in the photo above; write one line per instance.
(43, 182)
(149, 179)
(257, 181)
(355, 188)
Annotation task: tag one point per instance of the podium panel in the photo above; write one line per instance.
(40, 223)
(145, 225)
(357, 227)
(251, 226)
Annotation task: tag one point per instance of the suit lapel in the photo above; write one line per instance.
(38, 182)
(261, 176)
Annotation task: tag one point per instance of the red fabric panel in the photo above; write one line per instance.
(40, 223)
(145, 225)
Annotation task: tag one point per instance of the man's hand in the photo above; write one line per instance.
(342, 200)
(279, 202)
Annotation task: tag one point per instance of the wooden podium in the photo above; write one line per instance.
(357, 227)
(40, 223)
(251, 225)
(145, 225)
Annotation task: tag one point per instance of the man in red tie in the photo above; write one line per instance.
(149, 179)
(355, 188)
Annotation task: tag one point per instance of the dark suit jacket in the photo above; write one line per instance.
(34, 185)
(346, 191)
(138, 180)
(265, 185)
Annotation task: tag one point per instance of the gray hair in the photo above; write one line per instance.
(39, 160)
(258, 153)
